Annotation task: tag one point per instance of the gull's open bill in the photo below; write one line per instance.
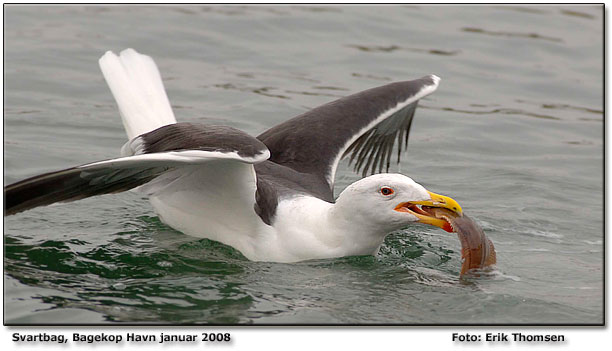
(272, 196)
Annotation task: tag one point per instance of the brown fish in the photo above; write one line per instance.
(477, 251)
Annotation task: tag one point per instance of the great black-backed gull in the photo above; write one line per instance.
(271, 197)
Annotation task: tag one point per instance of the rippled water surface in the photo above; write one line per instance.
(514, 133)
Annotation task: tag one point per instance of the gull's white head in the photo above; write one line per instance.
(385, 202)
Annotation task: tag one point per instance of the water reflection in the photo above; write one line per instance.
(391, 48)
(502, 111)
(510, 34)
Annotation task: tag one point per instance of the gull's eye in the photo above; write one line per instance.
(385, 190)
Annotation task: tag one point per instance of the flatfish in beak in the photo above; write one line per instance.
(477, 251)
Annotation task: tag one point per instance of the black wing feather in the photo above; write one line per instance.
(380, 140)
(73, 184)
(312, 142)
(113, 176)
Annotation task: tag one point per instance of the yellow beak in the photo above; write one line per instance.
(437, 200)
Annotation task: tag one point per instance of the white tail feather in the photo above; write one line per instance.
(136, 84)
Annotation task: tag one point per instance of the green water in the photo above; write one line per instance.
(514, 133)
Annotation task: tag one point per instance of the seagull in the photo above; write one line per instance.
(272, 196)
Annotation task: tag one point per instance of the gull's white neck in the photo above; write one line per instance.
(309, 228)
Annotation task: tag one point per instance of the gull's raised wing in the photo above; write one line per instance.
(363, 125)
(181, 146)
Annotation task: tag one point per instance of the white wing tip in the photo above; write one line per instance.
(264, 155)
(130, 53)
(257, 158)
(435, 79)
(126, 52)
(109, 55)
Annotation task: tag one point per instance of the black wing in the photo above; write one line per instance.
(364, 125)
(148, 156)
(74, 184)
